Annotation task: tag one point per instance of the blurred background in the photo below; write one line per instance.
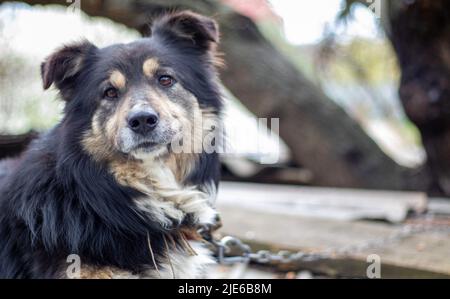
(361, 92)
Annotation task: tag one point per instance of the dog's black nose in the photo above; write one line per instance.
(143, 122)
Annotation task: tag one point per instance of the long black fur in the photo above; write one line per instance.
(60, 201)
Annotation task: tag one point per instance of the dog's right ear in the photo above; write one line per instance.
(61, 67)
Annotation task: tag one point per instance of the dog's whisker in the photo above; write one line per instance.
(172, 241)
(187, 246)
(152, 254)
(168, 257)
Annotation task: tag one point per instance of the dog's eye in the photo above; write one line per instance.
(111, 93)
(166, 81)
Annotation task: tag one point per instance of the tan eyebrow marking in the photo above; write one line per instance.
(150, 66)
(118, 79)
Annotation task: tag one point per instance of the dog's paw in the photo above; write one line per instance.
(206, 216)
(200, 212)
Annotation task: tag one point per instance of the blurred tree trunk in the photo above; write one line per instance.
(322, 137)
(420, 34)
(12, 145)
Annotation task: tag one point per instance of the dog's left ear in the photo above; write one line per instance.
(201, 31)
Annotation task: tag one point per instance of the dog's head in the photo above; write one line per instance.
(135, 99)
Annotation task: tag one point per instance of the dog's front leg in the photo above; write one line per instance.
(200, 208)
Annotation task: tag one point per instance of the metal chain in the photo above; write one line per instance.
(231, 250)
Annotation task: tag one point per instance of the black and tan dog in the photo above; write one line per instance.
(105, 183)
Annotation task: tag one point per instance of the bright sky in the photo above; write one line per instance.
(37, 32)
(305, 20)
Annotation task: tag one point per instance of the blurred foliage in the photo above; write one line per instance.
(360, 74)
(371, 61)
(347, 6)
(299, 58)
(22, 106)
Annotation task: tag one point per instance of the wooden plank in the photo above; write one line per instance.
(439, 206)
(424, 251)
(421, 255)
(418, 255)
(293, 232)
(240, 271)
(13, 145)
(340, 204)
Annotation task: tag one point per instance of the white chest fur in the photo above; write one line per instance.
(167, 201)
(177, 265)
(180, 265)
